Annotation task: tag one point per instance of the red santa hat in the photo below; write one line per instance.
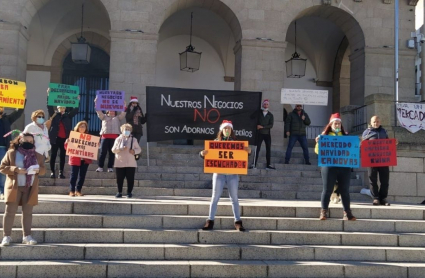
(226, 123)
(335, 117)
(133, 99)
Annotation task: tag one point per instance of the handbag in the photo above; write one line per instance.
(136, 156)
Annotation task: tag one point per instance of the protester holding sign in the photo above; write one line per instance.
(226, 133)
(79, 165)
(295, 129)
(135, 118)
(22, 165)
(109, 132)
(376, 131)
(5, 122)
(40, 132)
(125, 148)
(61, 125)
(330, 175)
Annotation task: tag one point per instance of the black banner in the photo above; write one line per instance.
(197, 114)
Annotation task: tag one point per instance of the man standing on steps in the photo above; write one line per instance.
(265, 122)
(295, 126)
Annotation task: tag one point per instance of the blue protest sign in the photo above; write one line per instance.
(339, 151)
(110, 100)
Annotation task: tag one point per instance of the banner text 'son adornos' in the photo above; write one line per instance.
(63, 95)
(226, 157)
(110, 100)
(379, 153)
(12, 93)
(83, 145)
(339, 151)
(411, 116)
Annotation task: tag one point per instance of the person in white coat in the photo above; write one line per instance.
(40, 132)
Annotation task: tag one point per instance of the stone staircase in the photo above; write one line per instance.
(156, 234)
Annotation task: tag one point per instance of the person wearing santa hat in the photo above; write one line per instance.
(226, 133)
(135, 117)
(295, 129)
(331, 175)
(265, 122)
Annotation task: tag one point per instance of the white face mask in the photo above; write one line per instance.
(127, 133)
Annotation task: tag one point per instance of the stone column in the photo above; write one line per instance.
(381, 105)
(260, 66)
(133, 65)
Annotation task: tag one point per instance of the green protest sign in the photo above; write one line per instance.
(63, 95)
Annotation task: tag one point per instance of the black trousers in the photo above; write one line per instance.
(268, 141)
(125, 173)
(106, 145)
(60, 142)
(384, 177)
(329, 176)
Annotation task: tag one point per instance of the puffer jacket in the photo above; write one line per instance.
(295, 125)
(123, 157)
(375, 133)
(110, 125)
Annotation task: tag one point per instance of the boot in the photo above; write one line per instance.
(209, 225)
(323, 214)
(61, 176)
(238, 226)
(348, 215)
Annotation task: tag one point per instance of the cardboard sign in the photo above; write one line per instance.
(12, 93)
(339, 151)
(63, 95)
(379, 153)
(83, 145)
(226, 157)
(301, 96)
(110, 100)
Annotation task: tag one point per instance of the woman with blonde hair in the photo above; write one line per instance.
(22, 166)
(125, 148)
(78, 165)
(40, 132)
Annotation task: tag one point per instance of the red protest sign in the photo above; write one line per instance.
(378, 153)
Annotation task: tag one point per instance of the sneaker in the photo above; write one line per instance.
(376, 202)
(129, 195)
(6, 241)
(269, 167)
(1, 196)
(252, 167)
(119, 195)
(110, 170)
(61, 176)
(99, 169)
(29, 240)
(384, 202)
(52, 175)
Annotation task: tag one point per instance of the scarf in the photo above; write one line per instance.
(29, 159)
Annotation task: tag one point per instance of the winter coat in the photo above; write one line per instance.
(75, 160)
(8, 120)
(41, 137)
(8, 167)
(110, 125)
(123, 157)
(375, 133)
(265, 121)
(137, 129)
(66, 119)
(295, 125)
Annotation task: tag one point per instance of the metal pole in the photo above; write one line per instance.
(396, 16)
(147, 151)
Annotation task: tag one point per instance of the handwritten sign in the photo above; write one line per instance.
(339, 151)
(301, 96)
(12, 93)
(83, 145)
(411, 116)
(110, 100)
(63, 95)
(226, 157)
(378, 153)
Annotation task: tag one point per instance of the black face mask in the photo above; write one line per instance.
(27, 145)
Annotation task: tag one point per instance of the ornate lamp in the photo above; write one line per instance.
(295, 67)
(81, 50)
(190, 60)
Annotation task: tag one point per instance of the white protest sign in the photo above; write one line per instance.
(302, 96)
(411, 116)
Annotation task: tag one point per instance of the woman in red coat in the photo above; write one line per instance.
(79, 165)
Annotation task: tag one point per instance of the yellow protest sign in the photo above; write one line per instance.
(83, 145)
(12, 93)
(226, 157)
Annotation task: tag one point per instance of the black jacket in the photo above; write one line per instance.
(137, 129)
(8, 120)
(375, 133)
(66, 119)
(265, 121)
(295, 125)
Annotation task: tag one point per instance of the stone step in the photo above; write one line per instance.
(181, 251)
(202, 268)
(222, 222)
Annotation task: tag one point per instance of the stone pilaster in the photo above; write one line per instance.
(381, 105)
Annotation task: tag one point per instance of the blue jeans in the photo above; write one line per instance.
(75, 172)
(232, 186)
(2, 177)
(303, 142)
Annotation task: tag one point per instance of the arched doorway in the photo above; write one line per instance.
(89, 77)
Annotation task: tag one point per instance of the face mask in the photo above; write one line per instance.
(40, 121)
(336, 130)
(226, 133)
(27, 145)
(127, 133)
